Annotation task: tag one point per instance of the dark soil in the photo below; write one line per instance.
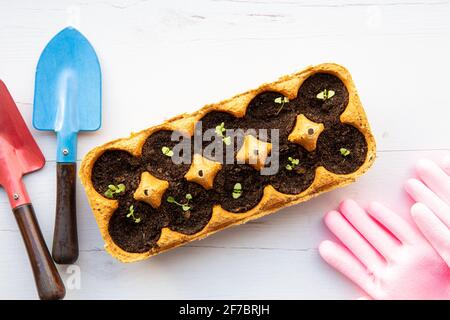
(199, 214)
(341, 136)
(317, 110)
(116, 167)
(161, 165)
(132, 236)
(208, 123)
(263, 112)
(301, 176)
(252, 187)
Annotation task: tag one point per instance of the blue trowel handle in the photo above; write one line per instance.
(65, 237)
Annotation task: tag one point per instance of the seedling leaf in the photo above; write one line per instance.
(112, 190)
(345, 152)
(237, 191)
(293, 162)
(109, 194)
(167, 151)
(183, 206)
(282, 101)
(219, 130)
(227, 140)
(131, 214)
(325, 94)
(121, 188)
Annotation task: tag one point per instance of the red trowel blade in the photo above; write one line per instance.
(19, 153)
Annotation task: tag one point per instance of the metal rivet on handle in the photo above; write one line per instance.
(65, 152)
(16, 196)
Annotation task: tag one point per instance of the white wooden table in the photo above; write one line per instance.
(398, 52)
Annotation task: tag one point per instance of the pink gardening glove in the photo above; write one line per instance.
(384, 255)
(431, 213)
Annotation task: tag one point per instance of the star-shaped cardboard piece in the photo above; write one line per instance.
(203, 171)
(306, 132)
(254, 152)
(151, 190)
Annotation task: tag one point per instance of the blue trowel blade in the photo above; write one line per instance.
(67, 96)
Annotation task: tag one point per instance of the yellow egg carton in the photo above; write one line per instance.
(144, 203)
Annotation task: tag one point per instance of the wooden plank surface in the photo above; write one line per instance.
(161, 58)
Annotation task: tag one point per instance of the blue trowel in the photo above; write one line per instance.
(67, 100)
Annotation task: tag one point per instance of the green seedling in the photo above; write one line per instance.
(184, 206)
(220, 131)
(345, 152)
(167, 151)
(292, 163)
(132, 216)
(237, 190)
(112, 190)
(282, 101)
(325, 94)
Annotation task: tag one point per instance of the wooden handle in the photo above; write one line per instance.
(65, 237)
(46, 276)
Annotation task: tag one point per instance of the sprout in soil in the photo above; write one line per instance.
(325, 94)
(292, 163)
(220, 131)
(282, 101)
(345, 152)
(112, 190)
(167, 151)
(237, 190)
(132, 216)
(184, 206)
